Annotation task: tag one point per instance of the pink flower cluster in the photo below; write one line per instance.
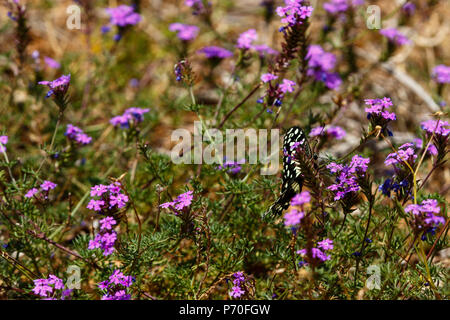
(425, 218)
(185, 32)
(111, 197)
(131, 116)
(320, 66)
(184, 200)
(106, 238)
(76, 134)
(332, 131)
(45, 187)
(294, 12)
(3, 142)
(318, 253)
(47, 288)
(296, 213)
(115, 287)
(440, 128)
(237, 290)
(347, 176)
(405, 153)
(378, 107)
(123, 16)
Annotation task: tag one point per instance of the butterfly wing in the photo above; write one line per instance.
(291, 179)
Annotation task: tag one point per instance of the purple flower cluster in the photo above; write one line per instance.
(246, 39)
(332, 131)
(215, 52)
(47, 288)
(106, 238)
(123, 15)
(276, 92)
(45, 187)
(431, 148)
(378, 107)
(317, 254)
(347, 176)
(57, 87)
(233, 167)
(320, 65)
(238, 289)
(196, 5)
(294, 12)
(184, 200)
(395, 36)
(405, 153)
(131, 116)
(440, 128)
(339, 6)
(76, 134)
(296, 213)
(185, 32)
(111, 197)
(441, 73)
(425, 218)
(52, 63)
(115, 288)
(3, 142)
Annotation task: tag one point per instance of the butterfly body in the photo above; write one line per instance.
(292, 181)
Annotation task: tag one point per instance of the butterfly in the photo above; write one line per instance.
(292, 181)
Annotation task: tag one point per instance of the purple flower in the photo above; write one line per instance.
(431, 148)
(263, 50)
(131, 115)
(236, 292)
(31, 193)
(332, 131)
(326, 244)
(293, 217)
(440, 129)
(115, 287)
(105, 241)
(95, 205)
(294, 12)
(404, 153)
(123, 15)
(379, 107)
(52, 63)
(347, 176)
(76, 134)
(58, 86)
(441, 73)
(182, 201)
(3, 142)
(44, 287)
(215, 52)
(320, 64)
(301, 198)
(184, 31)
(287, 86)
(425, 218)
(233, 167)
(395, 36)
(107, 223)
(98, 190)
(246, 39)
(118, 200)
(266, 77)
(48, 185)
(336, 6)
(409, 8)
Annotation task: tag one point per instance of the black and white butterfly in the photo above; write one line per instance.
(292, 181)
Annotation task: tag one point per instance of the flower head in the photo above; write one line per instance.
(441, 73)
(215, 52)
(246, 39)
(395, 36)
(123, 15)
(57, 87)
(184, 31)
